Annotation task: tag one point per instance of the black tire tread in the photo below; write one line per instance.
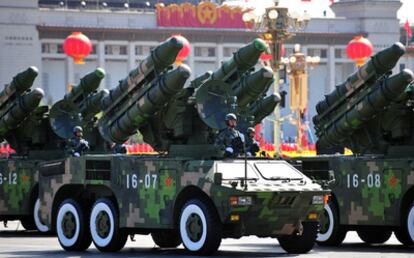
(28, 223)
(339, 233)
(374, 235)
(402, 232)
(214, 226)
(166, 238)
(120, 238)
(300, 244)
(85, 239)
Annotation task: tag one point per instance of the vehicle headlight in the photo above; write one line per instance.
(318, 199)
(240, 200)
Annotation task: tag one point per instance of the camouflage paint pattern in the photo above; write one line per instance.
(369, 190)
(17, 181)
(371, 114)
(146, 190)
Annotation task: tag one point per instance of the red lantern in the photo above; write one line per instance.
(185, 51)
(359, 49)
(77, 46)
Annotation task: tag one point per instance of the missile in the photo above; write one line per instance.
(252, 86)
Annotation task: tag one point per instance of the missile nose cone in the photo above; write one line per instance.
(260, 45)
(33, 71)
(176, 42)
(408, 75)
(267, 72)
(184, 70)
(31, 100)
(38, 93)
(24, 80)
(398, 48)
(276, 97)
(100, 72)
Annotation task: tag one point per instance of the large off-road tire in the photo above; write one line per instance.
(374, 235)
(104, 227)
(300, 244)
(166, 238)
(28, 223)
(405, 234)
(36, 215)
(200, 227)
(72, 226)
(330, 232)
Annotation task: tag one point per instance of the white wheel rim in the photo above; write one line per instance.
(189, 244)
(97, 239)
(322, 237)
(68, 242)
(36, 213)
(410, 223)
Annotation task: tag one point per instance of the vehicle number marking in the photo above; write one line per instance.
(10, 179)
(354, 181)
(150, 181)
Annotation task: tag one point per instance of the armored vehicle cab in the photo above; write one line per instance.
(187, 193)
(371, 114)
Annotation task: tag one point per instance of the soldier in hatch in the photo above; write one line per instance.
(230, 140)
(77, 145)
(252, 146)
(119, 148)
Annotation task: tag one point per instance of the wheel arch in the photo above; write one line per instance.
(191, 192)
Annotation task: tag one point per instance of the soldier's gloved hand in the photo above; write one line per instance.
(229, 150)
(76, 154)
(248, 154)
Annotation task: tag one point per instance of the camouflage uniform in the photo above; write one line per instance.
(77, 145)
(252, 146)
(230, 138)
(119, 148)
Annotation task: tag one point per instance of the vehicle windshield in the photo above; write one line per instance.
(233, 170)
(278, 170)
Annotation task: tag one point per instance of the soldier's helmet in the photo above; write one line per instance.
(251, 130)
(77, 129)
(231, 116)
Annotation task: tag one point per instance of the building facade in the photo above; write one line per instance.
(33, 34)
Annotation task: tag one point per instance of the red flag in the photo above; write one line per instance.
(408, 29)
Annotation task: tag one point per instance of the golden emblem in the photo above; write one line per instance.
(207, 13)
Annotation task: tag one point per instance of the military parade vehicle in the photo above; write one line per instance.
(187, 193)
(18, 177)
(25, 126)
(371, 113)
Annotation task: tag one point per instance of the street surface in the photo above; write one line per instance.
(14, 242)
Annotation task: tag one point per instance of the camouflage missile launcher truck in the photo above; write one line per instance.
(371, 113)
(25, 126)
(18, 177)
(187, 193)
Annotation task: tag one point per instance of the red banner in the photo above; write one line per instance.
(205, 14)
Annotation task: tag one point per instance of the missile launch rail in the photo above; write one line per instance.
(371, 114)
(188, 193)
